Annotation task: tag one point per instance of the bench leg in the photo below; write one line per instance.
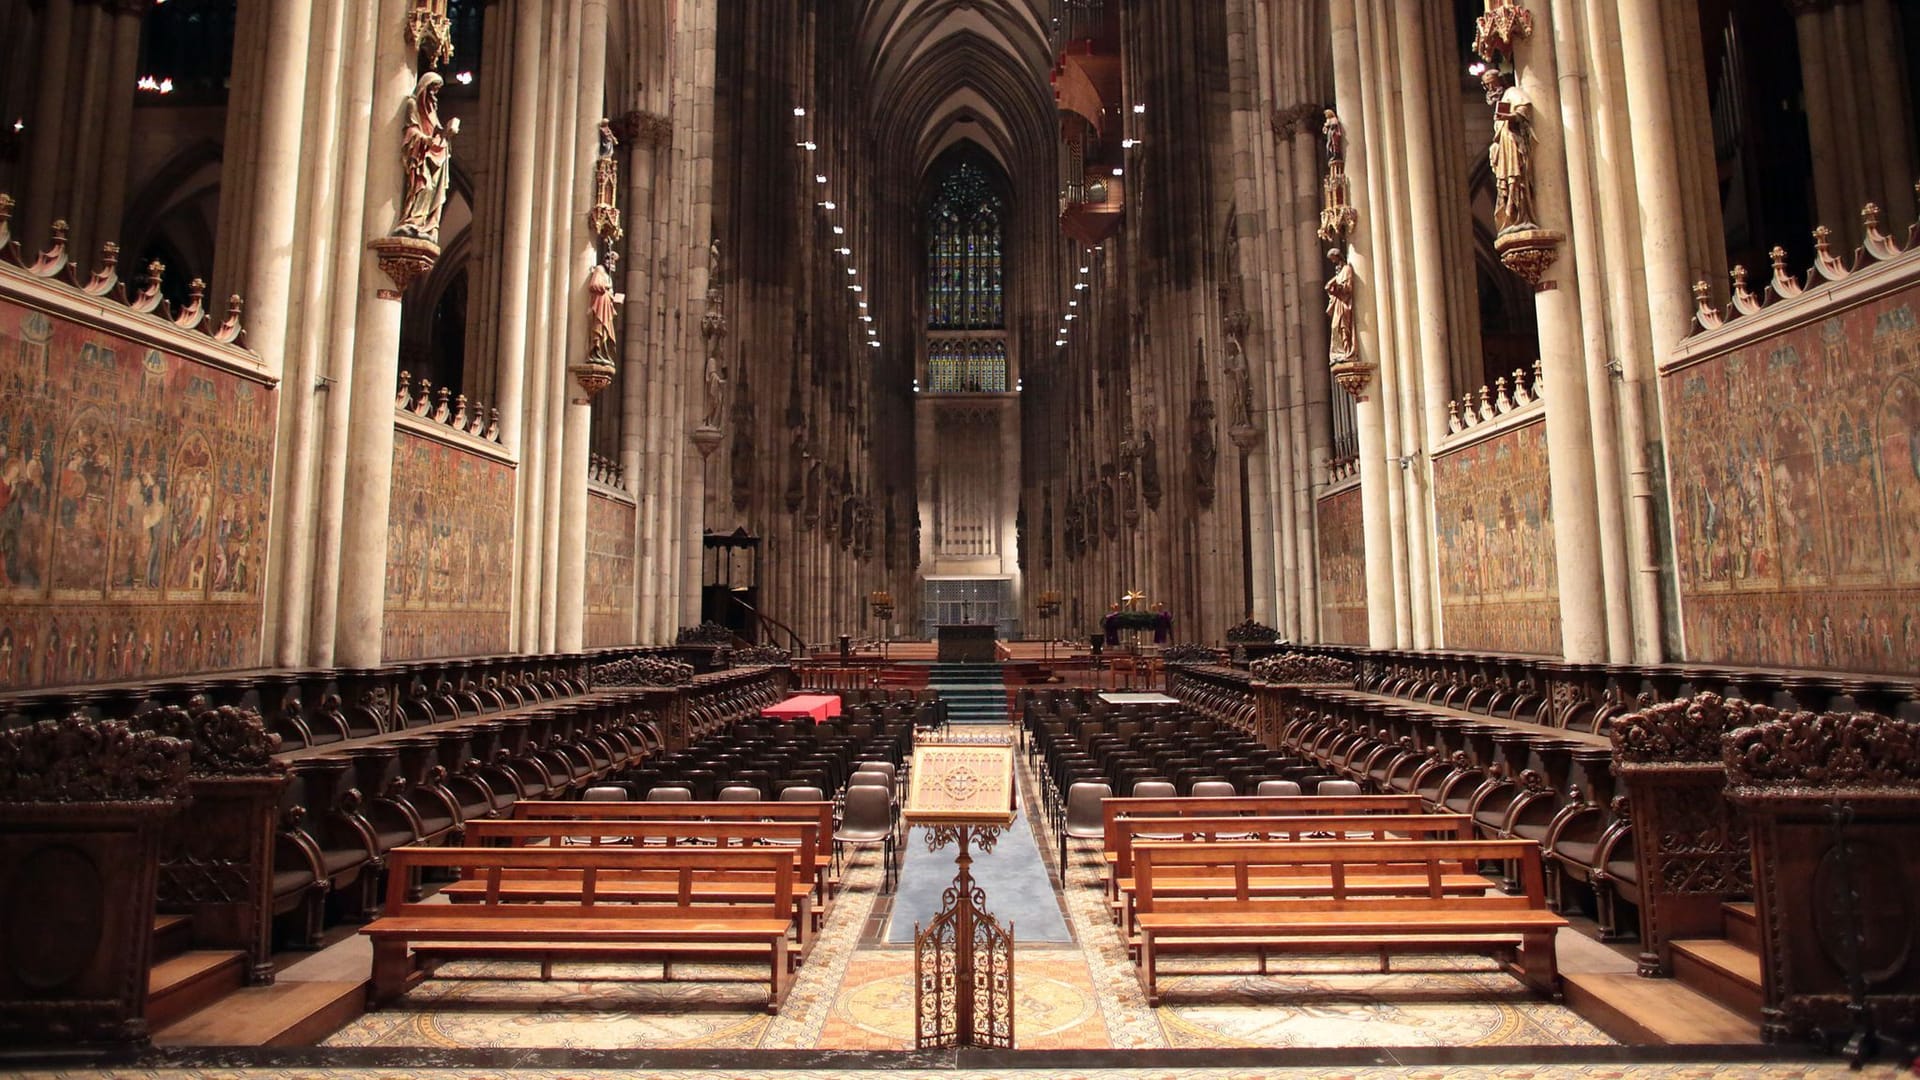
(392, 970)
(1148, 982)
(1538, 965)
(777, 984)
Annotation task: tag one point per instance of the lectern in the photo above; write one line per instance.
(963, 959)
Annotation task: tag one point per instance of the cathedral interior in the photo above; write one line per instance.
(684, 537)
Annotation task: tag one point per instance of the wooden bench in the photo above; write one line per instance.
(589, 924)
(1197, 880)
(1112, 811)
(819, 813)
(1518, 929)
(798, 838)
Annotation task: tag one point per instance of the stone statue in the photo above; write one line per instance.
(713, 327)
(1511, 154)
(602, 339)
(428, 151)
(1340, 341)
(1335, 134)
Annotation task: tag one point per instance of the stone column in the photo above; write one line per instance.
(1816, 80)
(1891, 96)
(110, 207)
(523, 123)
(572, 578)
(330, 334)
(1590, 272)
(46, 129)
(1576, 526)
(1663, 246)
(1370, 415)
(376, 356)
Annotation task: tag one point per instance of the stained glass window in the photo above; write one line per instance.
(963, 252)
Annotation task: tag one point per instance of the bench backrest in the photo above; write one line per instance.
(804, 836)
(1292, 828)
(820, 813)
(1431, 859)
(1112, 809)
(493, 865)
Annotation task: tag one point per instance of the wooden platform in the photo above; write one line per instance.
(284, 1014)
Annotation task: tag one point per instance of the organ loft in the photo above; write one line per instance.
(695, 537)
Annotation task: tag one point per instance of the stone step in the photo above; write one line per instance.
(287, 1013)
(1724, 970)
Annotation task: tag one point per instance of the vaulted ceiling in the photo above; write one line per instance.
(939, 71)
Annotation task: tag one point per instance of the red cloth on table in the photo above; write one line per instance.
(814, 707)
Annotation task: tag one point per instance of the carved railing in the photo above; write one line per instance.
(606, 472)
(443, 406)
(1501, 399)
(55, 264)
(1829, 268)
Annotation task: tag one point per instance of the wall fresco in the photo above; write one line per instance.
(1796, 495)
(134, 486)
(1493, 508)
(1343, 569)
(611, 556)
(449, 551)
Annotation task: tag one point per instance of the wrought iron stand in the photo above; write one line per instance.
(963, 960)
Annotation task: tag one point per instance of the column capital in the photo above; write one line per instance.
(649, 129)
(1289, 121)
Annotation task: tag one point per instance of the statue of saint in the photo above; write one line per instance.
(715, 378)
(602, 339)
(428, 153)
(1340, 341)
(1335, 134)
(1511, 154)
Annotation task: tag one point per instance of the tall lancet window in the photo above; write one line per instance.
(964, 237)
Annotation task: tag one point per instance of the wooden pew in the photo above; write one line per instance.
(798, 838)
(590, 925)
(820, 813)
(1518, 929)
(1199, 880)
(1112, 810)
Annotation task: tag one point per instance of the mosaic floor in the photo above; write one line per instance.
(1384, 1071)
(854, 994)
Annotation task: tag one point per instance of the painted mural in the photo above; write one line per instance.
(134, 486)
(449, 551)
(1493, 509)
(1343, 569)
(1796, 494)
(611, 558)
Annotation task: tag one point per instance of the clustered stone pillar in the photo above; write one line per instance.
(75, 167)
(1859, 116)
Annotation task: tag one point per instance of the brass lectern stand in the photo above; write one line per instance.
(962, 960)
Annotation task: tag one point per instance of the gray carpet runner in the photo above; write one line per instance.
(1013, 876)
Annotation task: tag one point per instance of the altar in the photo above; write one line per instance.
(968, 643)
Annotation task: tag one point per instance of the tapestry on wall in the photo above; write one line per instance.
(134, 486)
(449, 551)
(1796, 491)
(1343, 569)
(611, 556)
(1493, 510)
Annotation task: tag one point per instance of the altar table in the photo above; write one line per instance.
(814, 707)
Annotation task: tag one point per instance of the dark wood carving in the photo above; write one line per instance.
(82, 803)
(216, 862)
(1834, 805)
(1692, 853)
